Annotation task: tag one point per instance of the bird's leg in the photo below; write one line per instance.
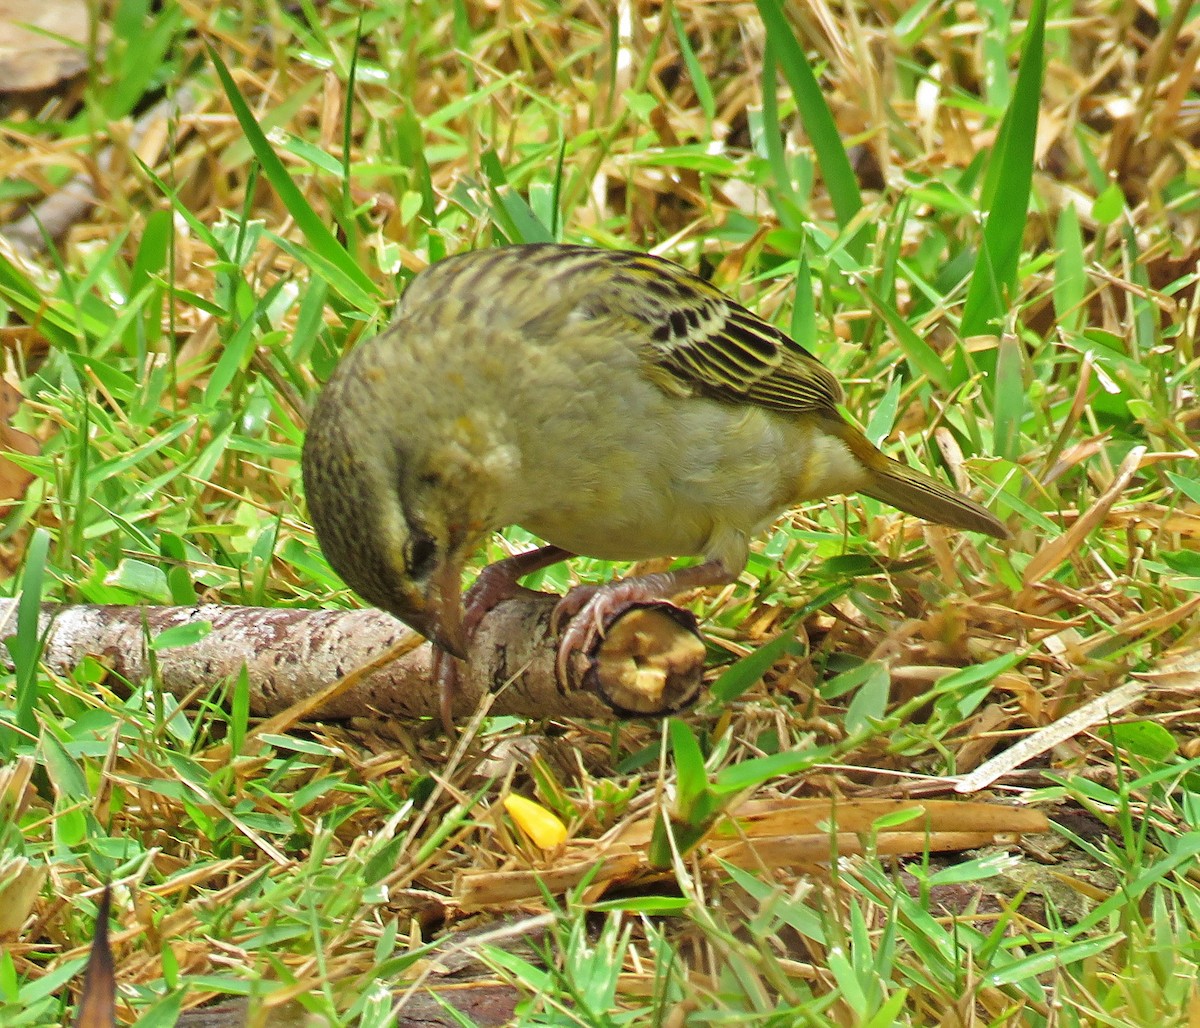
(588, 607)
(498, 582)
(495, 583)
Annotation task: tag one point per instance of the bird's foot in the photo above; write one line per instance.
(584, 611)
(495, 583)
(587, 609)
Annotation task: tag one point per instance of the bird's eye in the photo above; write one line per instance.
(420, 554)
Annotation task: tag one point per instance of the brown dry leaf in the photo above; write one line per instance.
(98, 1005)
(14, 480)
(20, 885)
(25, 347)
(21, 879)
(30, 59)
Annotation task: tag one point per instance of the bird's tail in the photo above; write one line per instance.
(915, 492)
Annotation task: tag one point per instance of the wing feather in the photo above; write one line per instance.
(711, 345)
(696, 340)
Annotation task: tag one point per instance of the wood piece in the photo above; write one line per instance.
(650, 660)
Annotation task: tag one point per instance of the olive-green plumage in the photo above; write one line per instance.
(610, 402)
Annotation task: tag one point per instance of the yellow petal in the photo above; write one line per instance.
(546, 830)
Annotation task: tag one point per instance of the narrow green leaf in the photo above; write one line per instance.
(883, 417)
(769, 142)
(700, 83)
(804, 307)
(180, 635)
(691, 774)
(754, 772)
(26, 645)
(509, 210)
(1070, 278)
(410, 141)
(1007, 188)
(836, 169)
(310, 223)
(1109, 204)
(1188, 486)
(919, 354)
(331, 273)
(238, 350)
(745, 673)
(1053, 959)
(1008, 398)
(152, 249)
(869, 703)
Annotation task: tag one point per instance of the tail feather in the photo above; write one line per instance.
(915, 492)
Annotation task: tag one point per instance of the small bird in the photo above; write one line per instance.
(610, 402)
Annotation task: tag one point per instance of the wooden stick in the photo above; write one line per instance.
(301, 662)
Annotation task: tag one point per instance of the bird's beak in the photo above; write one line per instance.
(437, 611)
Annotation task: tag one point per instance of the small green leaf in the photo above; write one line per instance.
(1146, 739)
(142, 579)
(1109, 205)
(869, 704)
(180, 635)
(26, 645)
(1070, 278)
(1188, 486)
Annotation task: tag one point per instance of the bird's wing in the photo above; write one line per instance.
(694, 340)
(701, 341)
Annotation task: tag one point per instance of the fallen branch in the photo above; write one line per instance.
(649, 662)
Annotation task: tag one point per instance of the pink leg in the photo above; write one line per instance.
(587, 607)
(495, 583)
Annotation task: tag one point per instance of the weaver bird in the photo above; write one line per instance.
(610, 402)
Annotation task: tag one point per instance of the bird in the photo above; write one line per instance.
(611, 403)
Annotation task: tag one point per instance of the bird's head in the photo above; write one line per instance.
(400, 498)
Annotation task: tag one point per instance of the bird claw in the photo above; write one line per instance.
(581, 615)
(492, 587)
(570, 605)
(588, 608)
(485, 594)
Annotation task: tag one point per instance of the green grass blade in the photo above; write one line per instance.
(839, 176)
(1070, 278)
(782, 189)
(1007, 187)
(26, 645)
(1008, 404)
(920, 355)
(804, 308)
(700, 83)
(310, 223)
(511, 212)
